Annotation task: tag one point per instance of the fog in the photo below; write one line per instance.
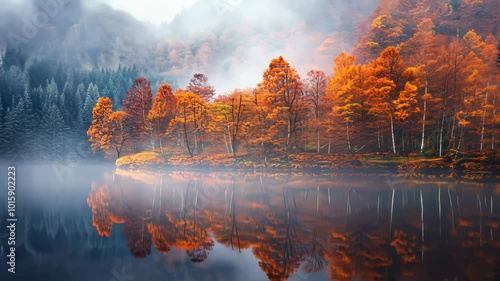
(232, 42)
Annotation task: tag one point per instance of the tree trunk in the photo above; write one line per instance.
(452, 134)
(348, 138)
(441, 129)
(423, 121)
(483, 121)
(493, 122)
(186, 133)
(288, 134)
(378, 138)
(225, 142)
(161, 146)
(392, 135)
(152, 140)
(318, 141)
(233, 146)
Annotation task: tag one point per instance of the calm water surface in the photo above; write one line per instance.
(96, 223)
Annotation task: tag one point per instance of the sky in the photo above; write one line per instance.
(152, 11)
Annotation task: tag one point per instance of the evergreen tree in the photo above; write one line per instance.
(85, 117)
(14, 121)
(13, 57)
(80, 96)
(51, 93)
(16, 81)
(30, 127)
(67, 100)
(3, 133)
(52, 145)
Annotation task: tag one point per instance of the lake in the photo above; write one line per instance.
(97, 223)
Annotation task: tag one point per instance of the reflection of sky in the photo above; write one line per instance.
(64, 264)
(245, 264)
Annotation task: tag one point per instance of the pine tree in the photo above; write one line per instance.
(51, 94)
(14, 121)
(4, 141)
(52, 134)
(85, 117)
(30, 126)
(68, 104)
(80, 96)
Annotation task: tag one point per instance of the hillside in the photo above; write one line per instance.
(395, 21)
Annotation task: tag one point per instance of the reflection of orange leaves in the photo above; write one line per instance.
(404, 246)
(464, 223)
(256, 206)
(138, 238)
(273, 260)
(98, 201)
(160, 237)
(118, 216)
(190, 242)
(340, 236)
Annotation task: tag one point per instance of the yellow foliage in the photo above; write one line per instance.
(142, 159)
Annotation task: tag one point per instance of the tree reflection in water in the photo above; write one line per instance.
(284, 220)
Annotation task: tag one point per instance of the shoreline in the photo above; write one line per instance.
(477, 166)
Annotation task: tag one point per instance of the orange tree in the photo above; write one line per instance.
(161, 113)
(137, 105)
(120, 127)
(189, 120)
(100, 132)
(282, 93)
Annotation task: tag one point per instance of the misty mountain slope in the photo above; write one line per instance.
(78, 34)
(237, 43)
(232, 45)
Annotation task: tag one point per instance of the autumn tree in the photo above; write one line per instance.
(100, 131)
(398, 101)
(121, 131)
(282, 91)
(344, 93)
(219, 123)
(231, 112)
(315, 84)
(420, 52)
(385, 31)
(189, 119)
(200, 86)
(161, 113)
(137, 105)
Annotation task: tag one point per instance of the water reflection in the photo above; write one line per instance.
(347, 227)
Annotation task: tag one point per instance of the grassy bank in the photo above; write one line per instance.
(473, 163)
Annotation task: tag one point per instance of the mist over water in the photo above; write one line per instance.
(232, 44)
(199, 225)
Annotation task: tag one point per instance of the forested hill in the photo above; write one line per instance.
(394, 22)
